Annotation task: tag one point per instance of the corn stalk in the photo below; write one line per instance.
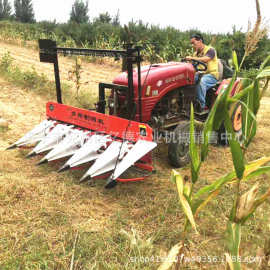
(244, 205)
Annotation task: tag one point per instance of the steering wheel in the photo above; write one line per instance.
(196, 64)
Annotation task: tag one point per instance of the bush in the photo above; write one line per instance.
(6, 61)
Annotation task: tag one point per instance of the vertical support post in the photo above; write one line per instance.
(101, 98)
(48, 54)
(57, 81)
(130, 95)
(139, 83)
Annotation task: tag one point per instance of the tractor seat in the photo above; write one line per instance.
(220, 70)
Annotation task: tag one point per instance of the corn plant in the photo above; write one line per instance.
(75, 75)
(243, 205)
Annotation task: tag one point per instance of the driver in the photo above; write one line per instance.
(207, 55)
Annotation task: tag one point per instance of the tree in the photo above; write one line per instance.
(5, 9)
(79, 12)
(116, 19)
(103, 18)
(24, 11)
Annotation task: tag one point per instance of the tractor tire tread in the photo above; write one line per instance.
(173, 157)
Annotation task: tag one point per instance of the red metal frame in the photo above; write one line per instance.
(117, 127)
(102, 123)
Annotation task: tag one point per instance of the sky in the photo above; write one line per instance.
(212, 16)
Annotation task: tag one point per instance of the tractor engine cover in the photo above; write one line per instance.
(157, 80)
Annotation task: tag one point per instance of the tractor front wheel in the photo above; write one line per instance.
(178, 150)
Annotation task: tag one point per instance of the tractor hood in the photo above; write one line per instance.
(157, 75)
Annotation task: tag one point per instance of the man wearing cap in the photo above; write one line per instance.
(207, 55)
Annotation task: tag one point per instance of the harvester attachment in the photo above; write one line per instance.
(35, 135)
(106, 145)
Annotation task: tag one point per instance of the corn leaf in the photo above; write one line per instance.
(177, 178)
(216, 117)
(179, 183)
(215, 185)
(233, 242)
(255, 169)
(262, 199)
(229, 261)
(187, 189)
(237, 153)
(256, 204)
(183, 200)
(187, 210)
(203, 203)
(223, 104)
(258, 172)
(265, 88)
(208, 127)
(256, 97)
(241, 94)
(252, 169)
(245, 82)
(235, 61)
(265, 73)
(255, 165)
(253, 116)
(249, 112)
(245, 203)
(246, 119)
(173, 176)
(193, 151)
(251, 134)
(265, 62)
(171, 258)
(249, 123)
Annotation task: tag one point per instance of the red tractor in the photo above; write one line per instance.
(142, 103)
(163, 101)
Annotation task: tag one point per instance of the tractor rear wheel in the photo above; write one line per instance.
(178, 150)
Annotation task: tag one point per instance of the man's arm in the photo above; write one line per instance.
(208, 56)
(204, 59)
